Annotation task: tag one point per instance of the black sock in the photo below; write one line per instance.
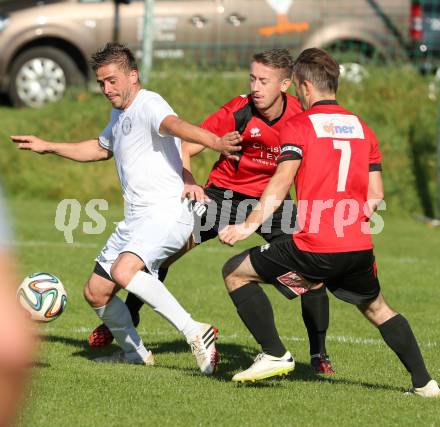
(162, 274)
(315, 313)
(398, 335)
(256, 312)
(134, 304)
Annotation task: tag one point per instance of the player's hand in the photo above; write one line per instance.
(30, 142)
(231, 234)
(228, 144)
(195, 192)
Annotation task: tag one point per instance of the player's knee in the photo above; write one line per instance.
(122, 274)
(377, 311)
(92, 296)
(227, 270)
(231, 275)
(232, 266)
(87, 293)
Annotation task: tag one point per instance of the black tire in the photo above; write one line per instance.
(353, 56)
(48, 85)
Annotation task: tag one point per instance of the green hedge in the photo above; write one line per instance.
(394, 102)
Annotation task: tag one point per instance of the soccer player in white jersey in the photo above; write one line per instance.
(143, 136)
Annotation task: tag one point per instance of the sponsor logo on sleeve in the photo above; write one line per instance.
(342, 126)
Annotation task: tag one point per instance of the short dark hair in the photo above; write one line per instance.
(276, 58)
(318, 67)
(114, 53)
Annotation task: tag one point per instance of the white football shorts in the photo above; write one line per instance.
(152, 234)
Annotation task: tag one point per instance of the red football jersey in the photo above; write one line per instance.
(338, 151)
(261, 146)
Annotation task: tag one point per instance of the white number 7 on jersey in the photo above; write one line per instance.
(344, 162)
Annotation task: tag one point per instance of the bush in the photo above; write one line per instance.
(394, 102)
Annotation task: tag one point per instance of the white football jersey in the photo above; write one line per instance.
(149, 164)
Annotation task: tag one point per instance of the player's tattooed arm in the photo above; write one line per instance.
(227, 145)
(85, 151)
(273, 195)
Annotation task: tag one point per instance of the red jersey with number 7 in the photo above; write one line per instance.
(337, 152)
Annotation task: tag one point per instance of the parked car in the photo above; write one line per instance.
(45, 45)
(425, 34)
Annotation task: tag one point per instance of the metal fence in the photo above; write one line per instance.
(226, 32)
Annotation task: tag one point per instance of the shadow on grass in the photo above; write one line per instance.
(64, 340)
(38, 364)
(233, 358)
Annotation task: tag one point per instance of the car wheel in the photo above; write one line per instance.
(41, 75)
(352, 57)
(353, 72)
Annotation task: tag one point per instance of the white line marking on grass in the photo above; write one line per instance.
(403, 260)
(47, 243)
(209, 249)
(235, 337)
(53, 244)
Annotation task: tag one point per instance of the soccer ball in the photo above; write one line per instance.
(43, 296)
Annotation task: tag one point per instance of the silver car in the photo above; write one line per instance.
(45, 45)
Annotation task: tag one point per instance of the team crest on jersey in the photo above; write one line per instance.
(337, 126)
(255, 132)
(295, 282)
(126, 126)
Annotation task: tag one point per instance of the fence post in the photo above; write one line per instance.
(147, 41)
(437, 205)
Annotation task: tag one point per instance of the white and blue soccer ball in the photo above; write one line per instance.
(43, 296)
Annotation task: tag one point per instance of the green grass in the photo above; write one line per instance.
(68, 389)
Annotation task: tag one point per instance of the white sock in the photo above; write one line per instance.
(154, 293)
(117, 318)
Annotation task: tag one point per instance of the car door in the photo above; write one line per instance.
(183, 29)
(186, 29)
(100, 16)
(253, 25)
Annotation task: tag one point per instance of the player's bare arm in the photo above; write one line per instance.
(375, 190)
(85, 151)
(271, 199)
(189, 150)
(226, 145)
(191, 190)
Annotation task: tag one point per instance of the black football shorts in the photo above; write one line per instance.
(229, 207)
(350, 276)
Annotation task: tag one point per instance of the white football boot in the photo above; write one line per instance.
(431, 389)
(266, 366)
(203, 348)
(131, 358)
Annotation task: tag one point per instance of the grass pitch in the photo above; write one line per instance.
(68, 389)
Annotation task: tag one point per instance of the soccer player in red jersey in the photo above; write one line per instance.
(235, 185)
(334, 160)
